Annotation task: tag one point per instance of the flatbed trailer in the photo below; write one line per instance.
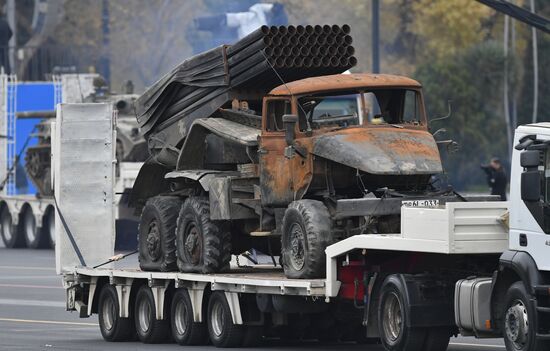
(260, 301)
(451, 269)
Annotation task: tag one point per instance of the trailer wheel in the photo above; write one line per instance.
(520, 326)
(392, 315)
(149, 329)
(184, 329)
(48, 227)
(203, 246)
(11, 237)
(157, 234)
(112, 326)
(222, 331)
(306, 234)
(27, 225)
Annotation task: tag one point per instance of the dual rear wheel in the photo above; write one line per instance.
(27, 233)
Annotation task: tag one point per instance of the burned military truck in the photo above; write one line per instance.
(289, 159)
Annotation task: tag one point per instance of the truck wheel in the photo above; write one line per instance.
(27, 225)
(157, 234)
(149, 329)
(11, 237)
(520, 326)
(222, 331)
(112, 326)
(306, 234)
(392, 316)
(202, 245)
(184, 329)
(48, 227)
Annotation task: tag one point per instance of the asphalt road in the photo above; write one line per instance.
(33, 316)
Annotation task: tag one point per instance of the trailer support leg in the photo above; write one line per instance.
(123, 294)
(91, 293)
(196, 296)
(158, 295)
(235, 307)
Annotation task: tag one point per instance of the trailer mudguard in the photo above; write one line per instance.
(429, 302)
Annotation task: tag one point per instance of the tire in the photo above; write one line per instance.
(184, 330)
(11, 237)
(149, 329)
(112, 327)
(34, 238)
(221, 330)
(157, 234)
(395, 335)
(48, 227)
(202, 245)
(306, 234)
(519, 310)
(437, 339)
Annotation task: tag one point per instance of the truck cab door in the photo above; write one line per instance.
(530, 201)
(275, 168)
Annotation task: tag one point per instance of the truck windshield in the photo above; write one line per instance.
(382, 106)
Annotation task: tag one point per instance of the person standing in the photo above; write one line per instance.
(496, 178)
(5, 36)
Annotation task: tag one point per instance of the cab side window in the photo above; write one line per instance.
(275, 111)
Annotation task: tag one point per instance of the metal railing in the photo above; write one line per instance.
(32, 63)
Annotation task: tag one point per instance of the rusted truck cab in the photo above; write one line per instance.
(345, 136)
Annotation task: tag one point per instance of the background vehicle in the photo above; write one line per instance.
(27, 219)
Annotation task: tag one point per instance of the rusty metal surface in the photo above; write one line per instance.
(343, 82)
(381, 151)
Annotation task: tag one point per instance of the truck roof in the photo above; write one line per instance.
(343, 82)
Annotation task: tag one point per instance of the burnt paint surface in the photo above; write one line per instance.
(381, 150)
(282, 179)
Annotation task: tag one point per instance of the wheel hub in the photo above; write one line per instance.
(393, 318)
(297, 258)
(517, 324)
(153, 241)
(181, 312)
(193, 245)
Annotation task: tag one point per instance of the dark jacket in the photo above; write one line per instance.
(498, 181)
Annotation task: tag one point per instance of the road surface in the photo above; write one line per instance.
(33, 316)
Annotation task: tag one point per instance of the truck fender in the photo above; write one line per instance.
(514, 266)
(149, 182)
(522, 264)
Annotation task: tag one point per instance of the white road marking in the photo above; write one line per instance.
(34, 303)
(30, 286)
(45, 322)
(477, 345)
(28, 268)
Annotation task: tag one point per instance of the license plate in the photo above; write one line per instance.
(420, 203)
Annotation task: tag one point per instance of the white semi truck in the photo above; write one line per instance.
(454, 268)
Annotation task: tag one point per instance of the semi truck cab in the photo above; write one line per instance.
(520, 289)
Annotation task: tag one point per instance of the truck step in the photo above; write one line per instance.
(543, 309)
(543, 336)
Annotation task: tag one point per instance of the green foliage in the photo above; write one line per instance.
(473, 80)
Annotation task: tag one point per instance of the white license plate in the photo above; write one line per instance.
(420, 203)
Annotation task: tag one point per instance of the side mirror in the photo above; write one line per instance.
(289, 122)
(530, 186)
(529, 159)
(531, 177)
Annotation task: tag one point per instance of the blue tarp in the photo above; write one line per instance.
(31, 96)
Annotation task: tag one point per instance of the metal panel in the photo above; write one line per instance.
(84, 182)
